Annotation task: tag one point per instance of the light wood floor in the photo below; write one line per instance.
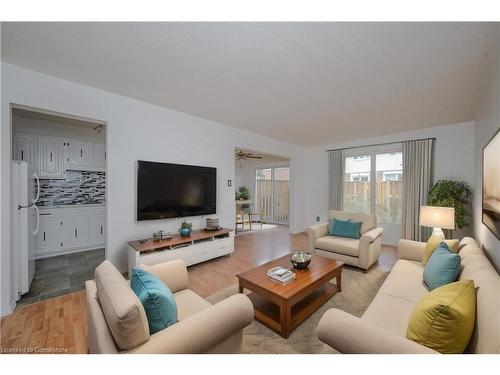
(59, 324)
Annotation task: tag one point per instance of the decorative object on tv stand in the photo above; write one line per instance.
(491, 185)
(212, 224)
(300, 260)
(161, 236)
(450, 193)
(437, 218)
(186, 229)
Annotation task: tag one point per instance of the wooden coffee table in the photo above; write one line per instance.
(284, 307)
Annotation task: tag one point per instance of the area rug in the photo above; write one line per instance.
(358, 290)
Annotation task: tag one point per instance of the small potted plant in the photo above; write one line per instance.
(186, 229)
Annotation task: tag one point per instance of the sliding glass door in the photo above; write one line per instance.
(272, 186)
(373, 183)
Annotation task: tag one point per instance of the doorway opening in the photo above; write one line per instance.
(59, 202)
(262, 191)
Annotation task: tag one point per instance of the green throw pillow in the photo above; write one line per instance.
(157, 299)
(444, 319)
(345, 228)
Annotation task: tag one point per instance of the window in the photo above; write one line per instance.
(373, 184)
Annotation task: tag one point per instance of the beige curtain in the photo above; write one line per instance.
(417, 181)
(336, 179)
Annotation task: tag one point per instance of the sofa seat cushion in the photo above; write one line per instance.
(405, 282)
(122, 309)
(341, 245)
(189, 303)
(390, 312)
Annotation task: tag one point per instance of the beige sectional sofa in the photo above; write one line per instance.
(360, 253)
(382, 328)
(117, 322)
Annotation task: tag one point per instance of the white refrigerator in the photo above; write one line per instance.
(24, 225)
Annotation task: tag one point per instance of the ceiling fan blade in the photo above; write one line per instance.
(254, 157)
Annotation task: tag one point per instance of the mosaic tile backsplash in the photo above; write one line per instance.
(74, 189)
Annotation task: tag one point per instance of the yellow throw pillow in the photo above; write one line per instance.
(444, 319)
(433, 243)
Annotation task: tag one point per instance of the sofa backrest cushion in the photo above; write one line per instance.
(476, 267)
(369, 221)
(122, 309)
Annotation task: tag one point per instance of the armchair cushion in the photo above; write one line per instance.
(157, 299)
(341, 245)
(122, 309)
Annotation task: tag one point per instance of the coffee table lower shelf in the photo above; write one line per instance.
(285, 317)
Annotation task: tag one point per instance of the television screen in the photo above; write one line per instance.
(174, 190)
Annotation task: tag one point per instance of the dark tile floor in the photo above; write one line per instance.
(61, 274)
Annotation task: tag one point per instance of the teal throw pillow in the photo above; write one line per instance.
(345, 228)
(157, 299)
(442, 268)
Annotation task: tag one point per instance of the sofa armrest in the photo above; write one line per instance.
(348, 334)
(411, 250)
(371, 235)
(315, 232)
(173, 273)
(201, 332)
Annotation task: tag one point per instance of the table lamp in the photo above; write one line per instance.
(438, 218)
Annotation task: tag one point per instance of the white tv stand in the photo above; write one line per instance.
(199, 247)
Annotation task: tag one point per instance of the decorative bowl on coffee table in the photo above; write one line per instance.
(300, 260)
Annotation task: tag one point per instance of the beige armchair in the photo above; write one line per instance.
(117, 322)
(362, 252)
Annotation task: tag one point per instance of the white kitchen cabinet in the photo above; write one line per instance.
(76, 232)
(97, 229)
(24, 147)
(80, 155)
(99, 156)
(51, 157)
(69, 229)
(49, 236)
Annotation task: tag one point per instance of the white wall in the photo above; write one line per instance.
(487, 123)
(454, 158)
(137, 130)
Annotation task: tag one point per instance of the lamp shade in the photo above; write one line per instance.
(439, 217)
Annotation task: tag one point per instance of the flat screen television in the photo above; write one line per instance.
(167, 190)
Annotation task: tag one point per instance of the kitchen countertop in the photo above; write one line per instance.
(71, 206)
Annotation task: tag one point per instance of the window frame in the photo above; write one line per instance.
(372, 151)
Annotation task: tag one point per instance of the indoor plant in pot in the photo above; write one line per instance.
(186, 229)
(451, 193)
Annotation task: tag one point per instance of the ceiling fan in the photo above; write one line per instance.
(242, 155)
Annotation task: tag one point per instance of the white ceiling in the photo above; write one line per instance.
(306, 83)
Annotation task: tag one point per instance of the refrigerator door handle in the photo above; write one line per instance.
(37, 220)
(37, 186)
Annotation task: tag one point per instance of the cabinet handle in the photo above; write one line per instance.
(76, 232)
(81, 153)
(45, 214)
(43, 236)
(101, 229)
(61, 244)
(51, 156)
(22, 154)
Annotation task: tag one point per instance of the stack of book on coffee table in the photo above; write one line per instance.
(281, 275)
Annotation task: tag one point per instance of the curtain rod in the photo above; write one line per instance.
(379, 144)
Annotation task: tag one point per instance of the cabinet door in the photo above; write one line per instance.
(48, 238)
(76, 232)
(50, 155)
(24, 147)
(80, 154)
(100, 156)
(97, 230)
